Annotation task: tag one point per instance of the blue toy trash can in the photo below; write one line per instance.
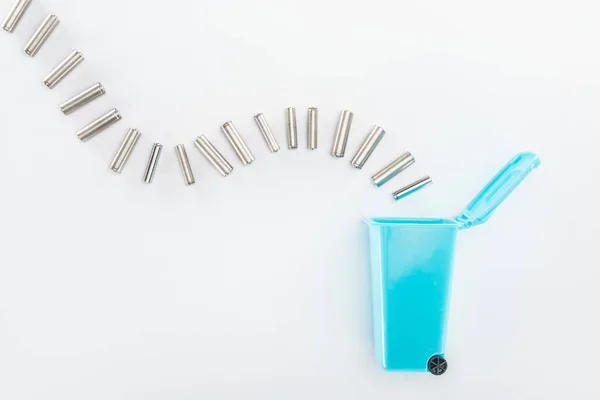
(411, 271)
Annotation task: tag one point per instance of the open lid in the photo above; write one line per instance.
(503, 184)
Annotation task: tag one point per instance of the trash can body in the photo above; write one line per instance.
(411, 277)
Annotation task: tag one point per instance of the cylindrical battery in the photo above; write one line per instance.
(213, 155)
(413, 187)
(41, 35)
(15, 14)
(152, 162)
(265, 129)
(63, 69)
(98, 125)
(312, 128)
(129, 142)
(342, 133)
(83, 98)
(393, 169)
(292, 128)
(184, 163)
(368, 146)
(238, 144)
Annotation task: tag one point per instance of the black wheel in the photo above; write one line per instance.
(437, 365)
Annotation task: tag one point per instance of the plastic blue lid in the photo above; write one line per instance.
(499, 188)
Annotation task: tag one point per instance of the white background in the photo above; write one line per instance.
(257, 285)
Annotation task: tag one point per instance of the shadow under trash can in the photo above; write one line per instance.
(411, 271)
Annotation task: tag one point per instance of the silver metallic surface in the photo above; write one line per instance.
(292, 128)
(83, 98)
(342, 133)
(41, 35)
(213, 155)
(152, 162)
(238, 144)
(313, 128)
(129, 142)
(393, 169)
(15, 14)
(264, 128)
(413, 187)
(184, 163)
(63, 69)
(368, 146)
(100, 124)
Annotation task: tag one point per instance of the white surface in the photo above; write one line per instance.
(256, 286)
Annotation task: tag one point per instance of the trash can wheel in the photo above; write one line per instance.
(437, 365)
